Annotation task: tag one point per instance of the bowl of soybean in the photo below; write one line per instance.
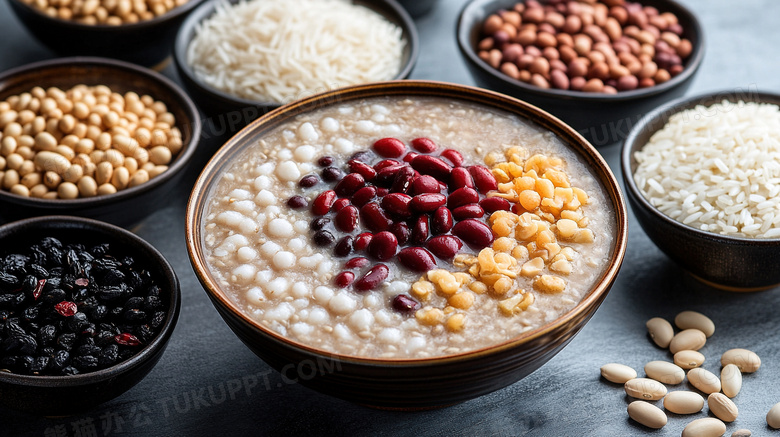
(87, 309)
(141, 32)
(92, 137)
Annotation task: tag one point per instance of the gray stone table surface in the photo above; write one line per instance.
(565, 397)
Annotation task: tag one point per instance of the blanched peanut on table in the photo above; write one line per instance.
(88, 138)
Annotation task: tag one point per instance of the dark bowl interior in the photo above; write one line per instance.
(405, 383)
(66, 395)
(127, 206)
(146, 42)
(602, 118)
(733, 263)
(235, 112)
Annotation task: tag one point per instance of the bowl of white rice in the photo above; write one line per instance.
(702, 175)
(242, 58)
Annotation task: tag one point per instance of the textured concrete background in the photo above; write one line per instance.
(566, 397)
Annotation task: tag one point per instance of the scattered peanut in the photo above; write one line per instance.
(705, 427)
(660, 331)
(722, 407)
(747, 361)
(683, 402)
(617, 373)
(647, 414)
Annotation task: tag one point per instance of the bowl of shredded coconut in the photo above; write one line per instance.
(242, 58)
(702, 175)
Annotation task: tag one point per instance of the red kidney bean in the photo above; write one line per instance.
(473, 232)
(386, 163)
(423, 145)
(350, 184)
(444, 246)
(374, 218)
(386, 176)
(459, 178)
(493, 204)
(462, 196)
(325, 161)
(453, 156)
(484, 180)
(363, 155)
(323, 202)
(420, 230)
(323, 238)
(416, 259)
(308, 181)
(339, 204)
(363, 169)
(397, 204)
(361, 241)
(382, 191)
(405, 304)
(344, 279)
(347, 219)
(427, 202)
(441, 222)
(383, 246)
(343, 247)
(471, 210)
(403, 180)
(363, 196)
(425, 184)
(401, 231)
(433, 166)
(356, 263)
(373, 278)
(410, 156)
(389, 147)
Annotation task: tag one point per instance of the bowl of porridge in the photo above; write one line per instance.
(406, 244)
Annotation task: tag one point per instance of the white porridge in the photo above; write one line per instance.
(407, 228)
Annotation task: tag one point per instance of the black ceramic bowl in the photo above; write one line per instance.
(405, 383)
(602, 118)
(127, 206)
(146, 42)
(66, 395)
(727, 262)
(236, 112)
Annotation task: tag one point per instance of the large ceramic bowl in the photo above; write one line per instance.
(728, 262)
(237, 112)
(73, 394)
(127, 206)
(602, 118)
(406, 383)
(146, 43)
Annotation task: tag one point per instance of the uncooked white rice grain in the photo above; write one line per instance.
(716, 168)
(281, 50)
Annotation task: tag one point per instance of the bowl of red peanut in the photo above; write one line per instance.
(597, 65)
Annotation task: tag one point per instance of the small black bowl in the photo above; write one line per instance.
(237, 111)
(146, 43)
(726, 262)
(128, 206)
(602, 118)
(73, 394)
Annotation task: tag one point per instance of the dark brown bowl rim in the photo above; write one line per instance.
(694, 61)
(176, 166)
(569, 136)
(206, 10)
(652, 121)
(140, 25)
(148, 351)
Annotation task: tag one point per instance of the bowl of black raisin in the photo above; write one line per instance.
(86, 311)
